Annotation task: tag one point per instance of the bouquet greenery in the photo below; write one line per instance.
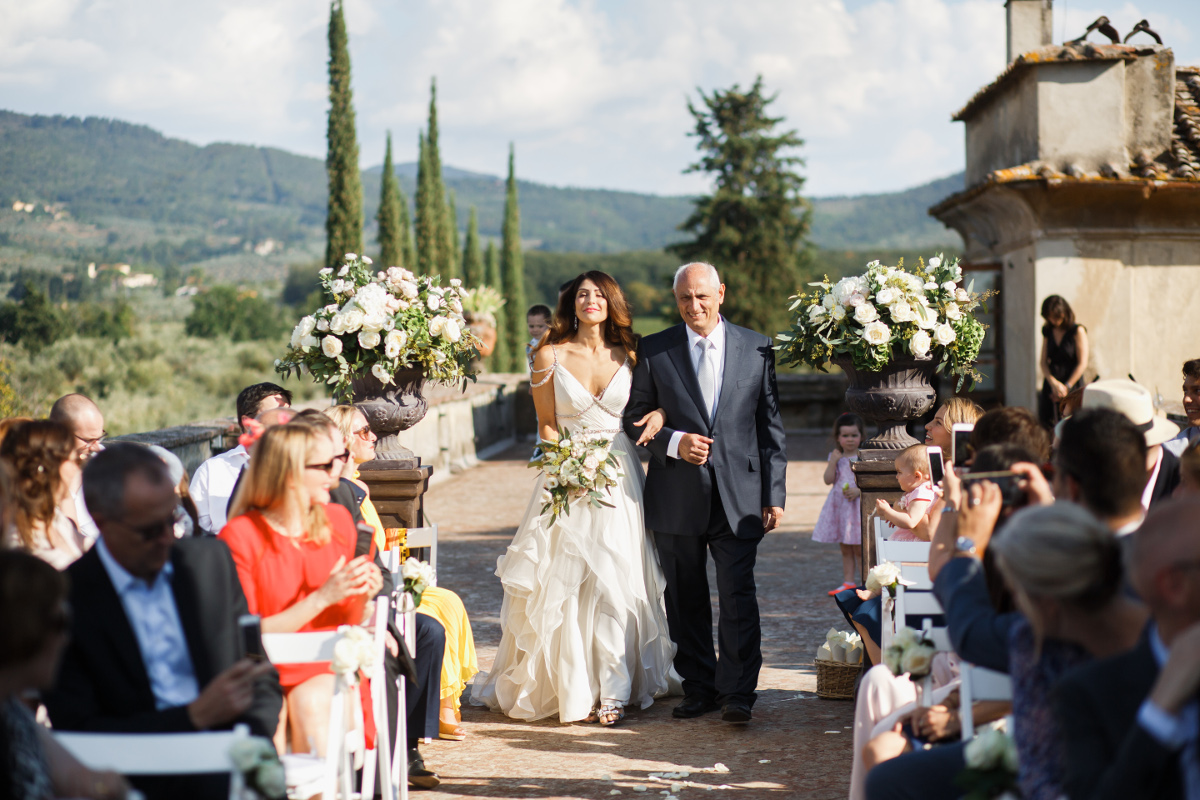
(885, 313)
(418, 576)
(378, 323)
(575, 467)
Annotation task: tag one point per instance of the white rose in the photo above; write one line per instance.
(919, 344)
(344, 271)
(369, 340)
(351, 256)
(901, 311)
(591, 462)
(438, 356)
(943, 334)
(918, 660)
(953, 311)
(876, 333)
(455, 305)
(838, 313)
(934, 262)
(815, 312)
(451, 330)
(886, 296)
(308, 341)
(551, 482)
(345, 656)
(926, 320)
(856, 299)
(322, 324)
(337, 324)
(331, 346)
(949, 287)
(326, 272)
(546, 497)
(436, 325)
(829, 301)
(409, 289)
(367, 260)
(892, 658)
(962, 296)
(905, 638)
(381, 373)
(434, 302)
(987, 750)
(931, 286)
(394, 343)
(865, 313)
(873, 265)
(882, 575)
(353, 319)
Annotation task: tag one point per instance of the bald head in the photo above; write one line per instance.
(699, 294)
(83, 418)
(1164, 562)
(698, 273)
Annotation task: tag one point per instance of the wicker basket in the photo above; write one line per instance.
(835, 680)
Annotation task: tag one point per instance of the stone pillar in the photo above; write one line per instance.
(1030, 25)
(876, 479)
(397, 493)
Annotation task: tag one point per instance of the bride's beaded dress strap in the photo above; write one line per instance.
(548, 370)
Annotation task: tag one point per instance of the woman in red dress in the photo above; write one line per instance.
(294, 553)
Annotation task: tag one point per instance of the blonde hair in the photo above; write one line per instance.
(276, 471)
(343, 418)
(961, 410)
(916, 457)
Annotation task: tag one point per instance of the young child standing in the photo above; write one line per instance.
(537, 320)
(840, 520)
(913, 474)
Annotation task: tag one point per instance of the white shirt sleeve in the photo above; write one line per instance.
(1169, 730)
(673, 445)
(198, 489)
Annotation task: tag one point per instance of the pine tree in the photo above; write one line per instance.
(491, 266)
(344, 222)
(390, 218)
(408, 245)
(445, 253)
(512, 268)
(453, 246)
(752, 227)
(429, 215)
(472, 259)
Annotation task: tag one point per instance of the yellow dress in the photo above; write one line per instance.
(459, 664)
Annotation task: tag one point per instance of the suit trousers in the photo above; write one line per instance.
(684, 559)
(425, 697)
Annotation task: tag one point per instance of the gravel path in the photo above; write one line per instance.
(797, 746)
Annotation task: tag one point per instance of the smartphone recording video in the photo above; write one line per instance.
(960, 443)
(937, 468)
(250, 626)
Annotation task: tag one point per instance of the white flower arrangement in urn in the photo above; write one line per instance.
(886, 313)
(379, 323)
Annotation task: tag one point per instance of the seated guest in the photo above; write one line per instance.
(83, 419)
(1064, 568)
(1012, 425)
(1129, 722)
(1191, 409)
(39, 455)
(212, 485)
(458, 664)
(1101, 464)
(33, 625)
(1136, 403)
(956, 410)
(154, 642)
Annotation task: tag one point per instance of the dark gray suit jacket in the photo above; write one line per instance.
(979, 634)
(747, 457)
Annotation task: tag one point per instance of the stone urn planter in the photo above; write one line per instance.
(901, 392)
(390, 409)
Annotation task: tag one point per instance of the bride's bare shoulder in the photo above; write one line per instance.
(543, 359)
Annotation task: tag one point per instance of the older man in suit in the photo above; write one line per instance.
(155, 645)
(716, 483)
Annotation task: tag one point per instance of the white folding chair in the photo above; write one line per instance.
(913, 560)
(159, 753)
(421, 538)
(979, 683)
(306, 648)
(406, 621)
(380, 755)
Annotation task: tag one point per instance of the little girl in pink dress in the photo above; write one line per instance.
(913, 474)
(840, 521)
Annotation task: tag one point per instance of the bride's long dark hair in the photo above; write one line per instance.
(618, 327)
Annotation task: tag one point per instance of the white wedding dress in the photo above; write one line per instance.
(583, 616)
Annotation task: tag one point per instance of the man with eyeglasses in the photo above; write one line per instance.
(83, 418)
(213, 483)
(155, 645)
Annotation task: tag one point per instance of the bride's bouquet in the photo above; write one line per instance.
(576, 468)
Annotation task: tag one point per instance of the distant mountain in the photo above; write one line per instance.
(101, 170)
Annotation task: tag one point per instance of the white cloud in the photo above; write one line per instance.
(593, 92)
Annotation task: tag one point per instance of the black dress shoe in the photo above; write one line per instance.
(418, 776)
(735, 712)
(692, 707)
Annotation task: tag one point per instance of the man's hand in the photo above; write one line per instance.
(771, 518)
(228, 695)
(693, 448)
(1034, 483)
(935, 723)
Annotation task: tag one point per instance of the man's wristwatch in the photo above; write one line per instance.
(965, 546)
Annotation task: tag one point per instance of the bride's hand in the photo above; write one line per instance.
(654, 422)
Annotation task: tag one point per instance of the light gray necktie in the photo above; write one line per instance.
(707, 374)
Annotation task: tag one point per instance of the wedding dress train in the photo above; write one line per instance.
(583, 616)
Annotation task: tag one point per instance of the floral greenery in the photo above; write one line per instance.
(910, 652)
(991, 767)
(377, 323)
(575, 468)
(887, 313)
(418, 576)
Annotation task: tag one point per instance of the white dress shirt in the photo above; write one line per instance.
(87, 526)
(1176, 732)
(716, 342)
(1148, 491)
(154, 618)
(212, 486)
(1181, 441)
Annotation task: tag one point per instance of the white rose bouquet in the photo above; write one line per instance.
(991, 766)
(354, 652)
(377, 323)
(909, 653)
(418, 576)
(262, 771)
(576, 467)
(885, 576)
(886, 313)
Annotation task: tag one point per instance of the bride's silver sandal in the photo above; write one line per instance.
(610, 714)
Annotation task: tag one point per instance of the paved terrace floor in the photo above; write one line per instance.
(797, 745)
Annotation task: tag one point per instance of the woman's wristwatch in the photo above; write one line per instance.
(965, 546)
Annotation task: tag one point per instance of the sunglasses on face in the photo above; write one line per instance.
(363, 432)
(153, 530)
(328, 466)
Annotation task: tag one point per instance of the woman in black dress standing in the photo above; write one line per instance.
(1064, 356)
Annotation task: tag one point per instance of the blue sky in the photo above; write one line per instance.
(592, 92)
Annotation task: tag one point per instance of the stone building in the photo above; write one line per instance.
(1083, 180)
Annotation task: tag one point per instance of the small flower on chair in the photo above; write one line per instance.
(418, 576)
(256, 759)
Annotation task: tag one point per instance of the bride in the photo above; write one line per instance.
(584, 632)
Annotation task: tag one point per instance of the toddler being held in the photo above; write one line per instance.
(913, 474)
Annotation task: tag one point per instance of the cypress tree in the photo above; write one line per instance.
(512, 269)
(472, 259)
(445, 253)
(344, 222)
(391, 234)
(429, 215)
(408, 245)
(501, 356)
(453, 246)
(752, 226)
(491, 266)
